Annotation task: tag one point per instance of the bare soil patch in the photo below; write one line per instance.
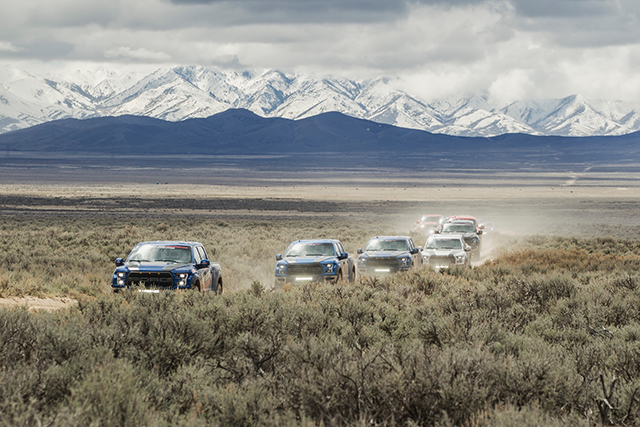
(566, 210)
(33, 303)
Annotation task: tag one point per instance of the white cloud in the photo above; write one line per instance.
(510, 48)
(511, 86)
(8, 47)
(140, 54)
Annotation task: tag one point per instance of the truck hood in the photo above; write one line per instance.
(308, 259)
(385, 254)
(156, 266)
(442, 252)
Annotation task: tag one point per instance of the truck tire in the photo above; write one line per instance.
(218, 289)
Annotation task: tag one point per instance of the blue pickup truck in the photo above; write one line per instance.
(322, 260)
(387, 255)
(167, 265)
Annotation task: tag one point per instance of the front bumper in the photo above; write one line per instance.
(380, 270)
(150, 281)
(382, 266)
(300, 279)
(438, 262)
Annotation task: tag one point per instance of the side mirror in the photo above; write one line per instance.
(279, 257)
(467, 248)
(119, 262)
(360, 250)
(204, 263)
(482, 227)
(479, 232)
(343, 255)
(415, 251)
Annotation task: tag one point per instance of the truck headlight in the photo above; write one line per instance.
(329, 268)
(182, 279)
(121, 279)
(281, 269)
(460, 259)
(362, 262)
(404, 262)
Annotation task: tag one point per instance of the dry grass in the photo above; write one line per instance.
(73, 257)
(543, 333)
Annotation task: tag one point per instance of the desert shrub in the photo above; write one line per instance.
(541, 291)
(546, 333)
(111, 394)
(528, 415)
(349, 354)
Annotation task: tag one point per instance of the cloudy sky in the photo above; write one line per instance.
(515, 49)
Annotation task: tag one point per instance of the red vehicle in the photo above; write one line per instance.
(429, 223)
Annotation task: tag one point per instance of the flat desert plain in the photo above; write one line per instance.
(598, 208)
(350, 205)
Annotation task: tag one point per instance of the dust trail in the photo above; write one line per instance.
(576, 176)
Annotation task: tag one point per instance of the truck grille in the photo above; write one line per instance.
(381, 262)
(304, 269)
(442, 261)
(150, 280)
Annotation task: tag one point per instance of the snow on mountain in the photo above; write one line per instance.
(470, 122)
(14, 112)
(475, 115)
(387, 105)
(186, 92)
(168, 96)
(576, 116)
(309, 97)
(264, 95)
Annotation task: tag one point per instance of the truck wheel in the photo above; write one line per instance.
(352, 278)
(218, 289)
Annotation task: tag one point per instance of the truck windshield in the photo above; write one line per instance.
(310, 249)
(155, 253)
(444, 244)
(387, 245)
(458, 228)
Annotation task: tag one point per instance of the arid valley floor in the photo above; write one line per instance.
(542, 331)
(591, 203)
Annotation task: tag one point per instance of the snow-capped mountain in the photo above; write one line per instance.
(180, 93)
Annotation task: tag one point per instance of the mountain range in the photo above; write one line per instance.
(327, 140)
(180, 93)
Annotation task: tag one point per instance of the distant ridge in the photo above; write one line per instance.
(241, 132)
(180, 93)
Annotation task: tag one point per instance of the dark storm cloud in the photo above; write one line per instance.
(311, 5)
(545, 45)
(580, 23)
(564, 22)
(305, 11)
(565, 8)
(526, 8)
